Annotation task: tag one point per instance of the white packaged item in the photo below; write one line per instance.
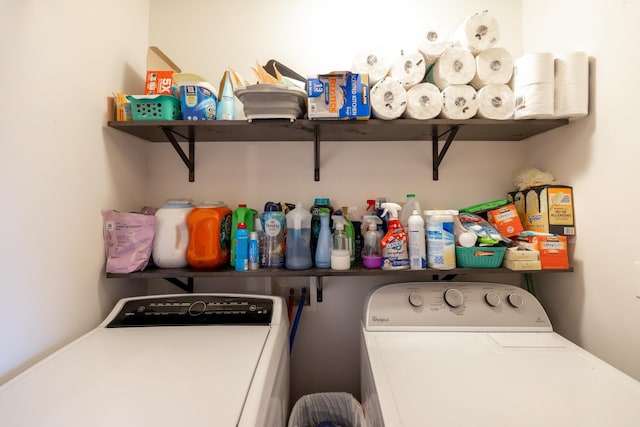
(460, 102)
(478, 32)
(571, 85)
(374, 62)
(493, 67)
(172, 234)
(456, 66)
(533, 86)
(424, 101)
(409, 68)
(417, 242)
(441, 245)
(388, 99)
(496, 102)
(436, 40)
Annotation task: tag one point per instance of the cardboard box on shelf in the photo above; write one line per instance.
(546, 209)
(553, 250)
(506, 220)
(160, 69)
(339, 95)
(519, 265)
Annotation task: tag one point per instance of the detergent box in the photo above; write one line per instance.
(339, 95)
(160, 69)
(546, 209)
(198, 102)
(506, 220)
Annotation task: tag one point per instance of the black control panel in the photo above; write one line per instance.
(190, 310)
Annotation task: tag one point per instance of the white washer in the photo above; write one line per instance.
(189, 359)
(481, 354)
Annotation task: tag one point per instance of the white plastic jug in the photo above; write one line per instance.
(172, 234)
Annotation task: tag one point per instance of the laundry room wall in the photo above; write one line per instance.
(314, 37)
(60, 166)
(598, 305)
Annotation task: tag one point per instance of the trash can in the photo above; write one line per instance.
(341, 409)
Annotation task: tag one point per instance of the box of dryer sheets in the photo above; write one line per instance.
(552, 249)
(160, 69)
(339, 95)
(546, 209)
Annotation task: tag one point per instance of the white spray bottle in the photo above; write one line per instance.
(371, 250)
(395, 255)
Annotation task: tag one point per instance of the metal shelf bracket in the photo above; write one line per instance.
(187, 287)
(188, 161)
(439, 156)
(316, 153)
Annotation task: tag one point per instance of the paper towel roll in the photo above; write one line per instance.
(388, 99)
(409, 68)
(435, 41)
(478, 32)
(494, 66)
(424, 101)
(571, 85)
(375, 62)
(459, 102)
(533, 68)
(496, 102)
(456, 66)
(534, 101)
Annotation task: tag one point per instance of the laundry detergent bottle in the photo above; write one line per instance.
(298, 247)
(172, 235)
(395, 255)
(210, 235)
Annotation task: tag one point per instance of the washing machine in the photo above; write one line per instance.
(191, 359)
(481, 354)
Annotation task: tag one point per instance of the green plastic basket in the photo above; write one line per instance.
(480, 256)
(154, 107)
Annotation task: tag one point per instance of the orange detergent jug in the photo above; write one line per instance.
(209, 235)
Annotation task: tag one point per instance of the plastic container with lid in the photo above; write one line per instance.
(298, 249)
(172, 234)
(340, 248)
(441, 241)
(210, 235)
(241, 214)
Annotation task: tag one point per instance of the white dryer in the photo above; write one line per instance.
(481, 354)
(191, 359)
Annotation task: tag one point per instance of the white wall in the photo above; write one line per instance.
(60, 166)
(596, 306)
(315, 37)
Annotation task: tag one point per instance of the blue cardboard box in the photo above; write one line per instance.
(339, 95)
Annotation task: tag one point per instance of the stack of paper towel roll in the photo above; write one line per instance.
(494, 69)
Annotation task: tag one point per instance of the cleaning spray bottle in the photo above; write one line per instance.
(371, 251)
(394, 243)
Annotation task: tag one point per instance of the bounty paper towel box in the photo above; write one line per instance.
(546, 209)
(339, 95)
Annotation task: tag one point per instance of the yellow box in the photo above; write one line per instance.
(546, 209)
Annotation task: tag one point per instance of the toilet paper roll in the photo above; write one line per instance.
(435, 41)
(496, 102)
(459, 102)
(493, 67)
(533, 68)
(571, 85)
(409, 68)
(424, 101)
(375, 62)
(534, 101)
(478, 32)
(388, 99)
(456, 66)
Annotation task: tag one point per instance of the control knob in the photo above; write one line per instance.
(453, 297)
(415, 299)
(492, 299)
(515, 300)
(197, 308)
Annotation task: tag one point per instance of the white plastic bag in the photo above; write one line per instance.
(128, 240)
(341, 409)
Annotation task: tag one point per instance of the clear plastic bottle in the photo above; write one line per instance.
(323, 248)
(340, 259)
(298, 250)
(371, 251)
(417, 243)
(410, 205)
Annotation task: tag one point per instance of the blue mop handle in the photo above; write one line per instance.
(303, 298)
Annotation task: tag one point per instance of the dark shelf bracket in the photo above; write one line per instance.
(188, 161)
(439, 156)
(187, 287)
(316, 153)
(319, 288)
